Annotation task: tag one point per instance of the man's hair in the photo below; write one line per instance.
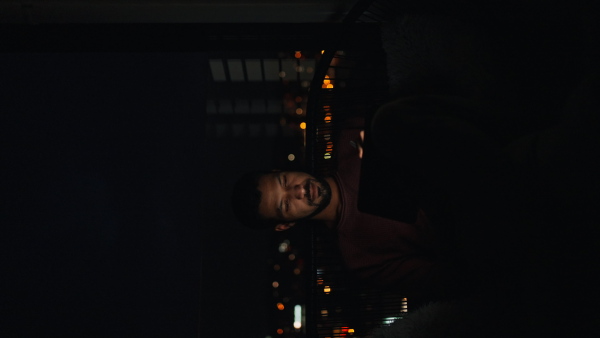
(245, 201)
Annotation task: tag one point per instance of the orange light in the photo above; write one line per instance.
(327, 119)
(279, 331)
(302, 125)
(298, 99)
(280, 306)
(326, 108)
(298, 54)
(299, 111)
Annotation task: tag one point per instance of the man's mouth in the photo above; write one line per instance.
(312, 191)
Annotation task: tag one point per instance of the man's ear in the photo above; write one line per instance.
(284, 226)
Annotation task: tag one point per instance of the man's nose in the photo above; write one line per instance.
(298, 191)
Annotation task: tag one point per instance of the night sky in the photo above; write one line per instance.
(115, 220)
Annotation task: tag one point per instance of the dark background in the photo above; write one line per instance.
(114, 215)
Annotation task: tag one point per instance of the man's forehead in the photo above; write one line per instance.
(268, 203)
(265, 180)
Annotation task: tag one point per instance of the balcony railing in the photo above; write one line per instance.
(348, 83)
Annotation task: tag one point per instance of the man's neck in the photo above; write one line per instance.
(331, 214)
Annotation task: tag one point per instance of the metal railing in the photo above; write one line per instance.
(348, 83)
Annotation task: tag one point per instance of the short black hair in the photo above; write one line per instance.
(245, 200)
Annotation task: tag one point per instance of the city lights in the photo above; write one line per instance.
(390, 320)
(297, 316)
(284, 246)
(327, 83)
(291, 157)
(303, 125)
(329, 146)
(280, 306)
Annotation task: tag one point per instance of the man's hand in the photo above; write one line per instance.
(359, 144)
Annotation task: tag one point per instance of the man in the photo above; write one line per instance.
(408, 258)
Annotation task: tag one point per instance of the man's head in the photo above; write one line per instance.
(279, 199)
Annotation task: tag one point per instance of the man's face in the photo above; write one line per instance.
(292, 195)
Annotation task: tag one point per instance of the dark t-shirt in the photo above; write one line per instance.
(388, 253)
